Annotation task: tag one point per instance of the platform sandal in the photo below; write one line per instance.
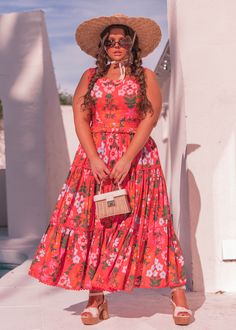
(180, 319)
(92, 315)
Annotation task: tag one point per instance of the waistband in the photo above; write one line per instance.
(113, 129)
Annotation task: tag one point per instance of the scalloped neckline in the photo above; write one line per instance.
(107, 78)
(116, 81)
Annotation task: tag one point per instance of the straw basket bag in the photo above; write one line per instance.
(111, 203)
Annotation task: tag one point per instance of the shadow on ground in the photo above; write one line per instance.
(140, 303)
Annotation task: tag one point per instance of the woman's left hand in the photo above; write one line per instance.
(120, 170)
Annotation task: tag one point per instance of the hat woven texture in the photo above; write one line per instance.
(88, 33)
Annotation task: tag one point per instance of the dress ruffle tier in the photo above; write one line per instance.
(78, 251)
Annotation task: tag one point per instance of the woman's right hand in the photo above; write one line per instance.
(99, 169)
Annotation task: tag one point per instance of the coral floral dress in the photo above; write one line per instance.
(138, 250)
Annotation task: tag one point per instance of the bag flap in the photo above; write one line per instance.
(109, 195)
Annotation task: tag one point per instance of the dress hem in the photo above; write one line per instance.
(112, 290)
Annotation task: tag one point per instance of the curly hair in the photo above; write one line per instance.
(135, 69)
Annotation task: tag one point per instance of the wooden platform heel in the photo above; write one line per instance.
(178, 317)
(92, 315)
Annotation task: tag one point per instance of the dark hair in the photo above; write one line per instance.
(136, 69)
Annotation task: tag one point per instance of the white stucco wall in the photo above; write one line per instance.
(203, 47)
(3, 209)
(37, 159)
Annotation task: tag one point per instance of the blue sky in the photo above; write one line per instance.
(62, 18)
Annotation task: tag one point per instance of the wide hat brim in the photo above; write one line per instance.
(88, 33)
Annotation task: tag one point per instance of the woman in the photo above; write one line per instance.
(116, 105)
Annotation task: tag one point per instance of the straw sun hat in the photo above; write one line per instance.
(88, 33)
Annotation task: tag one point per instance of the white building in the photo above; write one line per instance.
(196, 135)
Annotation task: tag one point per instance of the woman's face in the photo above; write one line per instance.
(116, 51)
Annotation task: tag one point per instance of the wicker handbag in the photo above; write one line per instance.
(111, 203)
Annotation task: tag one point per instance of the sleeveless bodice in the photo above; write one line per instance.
(116, 105)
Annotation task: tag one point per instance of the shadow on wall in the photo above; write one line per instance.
(189, 218)
(3, 198)
(3, 205)
(194, 214)
(185, 223)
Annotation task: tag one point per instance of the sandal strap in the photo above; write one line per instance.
(179, 309)
(95, 294)
(91, 310)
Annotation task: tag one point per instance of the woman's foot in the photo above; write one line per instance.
(96, 299)
(96, 308)
(182, 313)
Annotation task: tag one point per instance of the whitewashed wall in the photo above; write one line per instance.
(3, 209)
(37, 159)
(203, 47)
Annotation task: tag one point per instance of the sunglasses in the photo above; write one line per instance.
(123, 43)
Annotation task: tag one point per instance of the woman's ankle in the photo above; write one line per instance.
(98, 292)
(179, 298)
(95, 297)
(181, 287)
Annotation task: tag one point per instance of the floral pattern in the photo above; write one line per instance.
(77, 250)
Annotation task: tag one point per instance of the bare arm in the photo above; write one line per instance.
(82, 128)
(144, 129)
(82, 118)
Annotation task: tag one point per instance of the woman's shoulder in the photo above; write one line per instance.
(91, 70)
(85, 78)
(150, 76)
(148, 72)
(89, 73)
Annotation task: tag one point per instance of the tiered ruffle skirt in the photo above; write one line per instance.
(78, 251)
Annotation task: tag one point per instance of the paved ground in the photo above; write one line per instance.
(26, 304)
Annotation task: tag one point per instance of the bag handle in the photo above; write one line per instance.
(100, 188)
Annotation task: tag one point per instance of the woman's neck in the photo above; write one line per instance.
(115, 64)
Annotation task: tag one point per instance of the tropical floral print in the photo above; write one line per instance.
(77, 250)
